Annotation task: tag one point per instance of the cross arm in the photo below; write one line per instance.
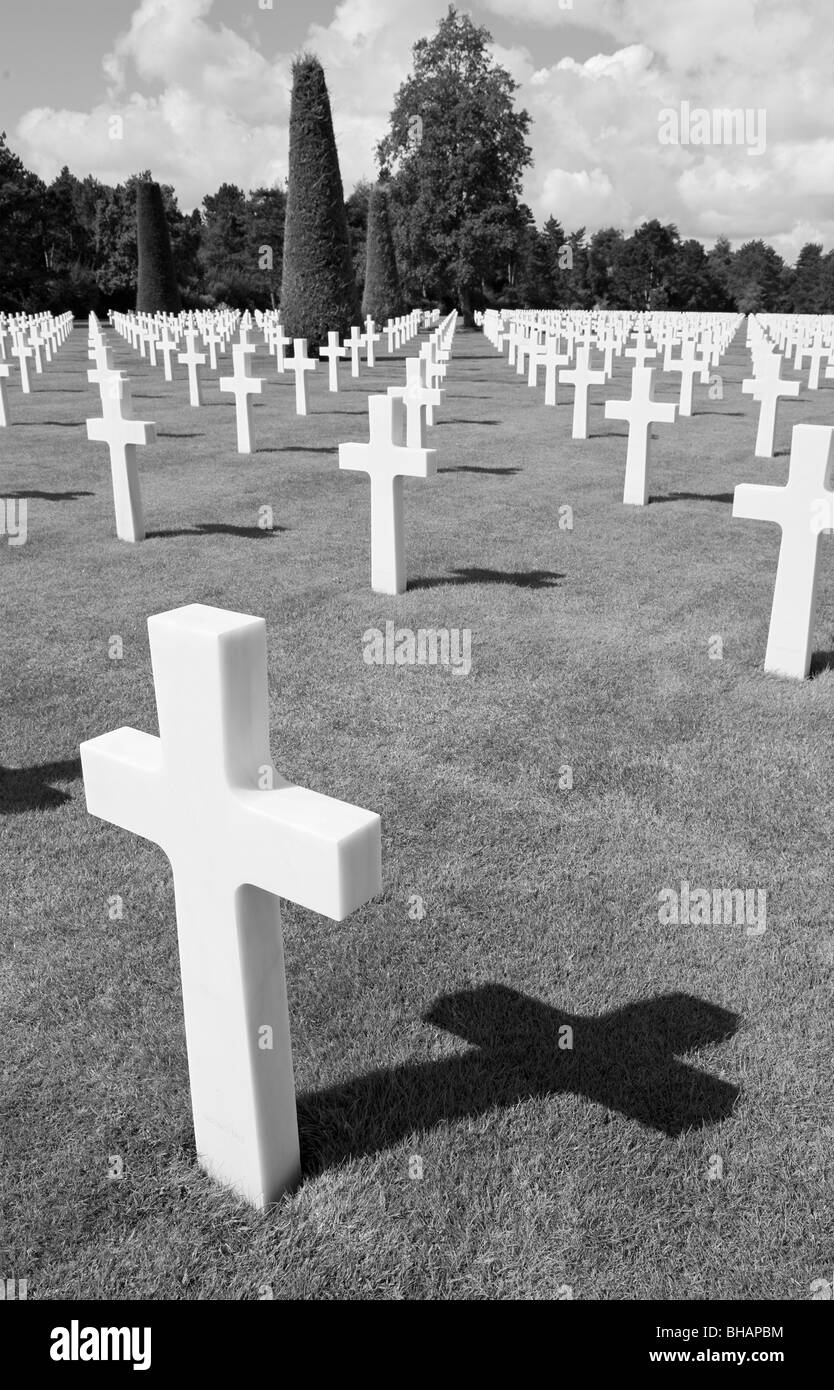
(314, 850)
(124, 782)
(353, 457)
(419, 463)
(753, 502)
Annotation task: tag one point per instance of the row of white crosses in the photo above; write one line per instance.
(539, 340)
(23, 337)
(804, 509)
(396, 450)
(161, 333)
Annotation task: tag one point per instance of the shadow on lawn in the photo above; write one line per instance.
(47, 496)
(215, 528)
(467, 422)
(821, 661)
(473, 468)
(529, 579)
(694, 497)
(296, 449)
(28, 789)
(626, 1061)
(64, 424)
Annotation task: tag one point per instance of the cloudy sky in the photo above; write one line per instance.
(202, 87)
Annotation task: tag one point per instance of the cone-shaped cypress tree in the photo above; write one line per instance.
(157, 290)
(318, 287)
(382, 298)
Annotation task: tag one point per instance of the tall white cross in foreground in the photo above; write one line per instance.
(803, 509)
(641, 412)
(238, 837)
(244, 386)
(387, 459)
(118, 429)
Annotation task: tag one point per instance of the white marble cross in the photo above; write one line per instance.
(553, 359)
(332, 353)
(535, 356)
(22, 352)
(5, 370)
(300, 365)
(244, 386)
(193, 360)
(435, 370)
(354, 347)
(122, 432)
(280, 343)
(239, 837)
(803, 509)
(581, 377)
(387, 460)
(768, 390)
(167, 346)
(213, 340)
(816, 352)
(641, 352)
(371, 337)
(689, 366)
(641, 412)
(418, 397)
(36, 343)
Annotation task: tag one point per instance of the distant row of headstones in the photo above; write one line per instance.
(396, 447)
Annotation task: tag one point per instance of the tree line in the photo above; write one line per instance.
(451, 165)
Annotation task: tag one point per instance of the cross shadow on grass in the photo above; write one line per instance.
(28, 789)
(473, 468)
(64, 424)
(627, 1061)
(211, 528)
(820, 662)
(296, 449)
(170, 434)
(695, 497)
(522, 579)
(466, 422)
(47, 496)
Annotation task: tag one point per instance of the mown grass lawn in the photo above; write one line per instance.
(432, 1036)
